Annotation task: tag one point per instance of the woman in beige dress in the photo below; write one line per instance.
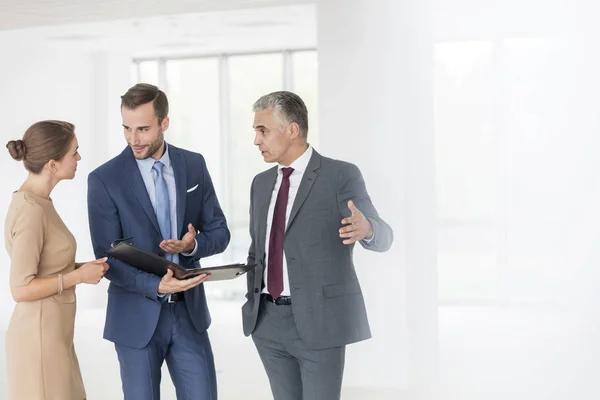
(41, 360)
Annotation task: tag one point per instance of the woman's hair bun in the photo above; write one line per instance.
(16, 148)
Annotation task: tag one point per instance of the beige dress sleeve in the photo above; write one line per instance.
(27, 243)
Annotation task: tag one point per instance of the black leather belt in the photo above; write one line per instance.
(280, 301)
(175, 297)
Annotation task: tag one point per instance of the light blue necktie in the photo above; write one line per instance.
(163, 210)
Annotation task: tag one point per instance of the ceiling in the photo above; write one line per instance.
(17, 14)
(214, 27)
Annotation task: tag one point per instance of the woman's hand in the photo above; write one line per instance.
(92, 272)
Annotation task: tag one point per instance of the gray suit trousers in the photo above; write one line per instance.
(295, 371)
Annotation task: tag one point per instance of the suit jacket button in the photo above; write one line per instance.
(256, 290)
(161, 253)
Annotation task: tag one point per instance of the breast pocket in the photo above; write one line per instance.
(343, 289)
(193, 189)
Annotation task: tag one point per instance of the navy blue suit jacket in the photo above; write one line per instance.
(119, 207)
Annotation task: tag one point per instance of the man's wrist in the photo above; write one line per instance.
(370, 233)
(191, 252)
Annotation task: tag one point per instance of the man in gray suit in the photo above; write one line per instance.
(304, 303)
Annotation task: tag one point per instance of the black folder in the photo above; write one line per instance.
(150, 262)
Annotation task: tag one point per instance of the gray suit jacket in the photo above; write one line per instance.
(327, 301)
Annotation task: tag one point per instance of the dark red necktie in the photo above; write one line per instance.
(275, 264)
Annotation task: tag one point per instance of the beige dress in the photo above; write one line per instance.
(41, 360)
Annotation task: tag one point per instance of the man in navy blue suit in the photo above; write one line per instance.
(163, 198)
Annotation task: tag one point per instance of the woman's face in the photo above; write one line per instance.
(67, 166)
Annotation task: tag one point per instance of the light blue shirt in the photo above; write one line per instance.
(145, 167)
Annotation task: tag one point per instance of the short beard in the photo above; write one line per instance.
(154, 146)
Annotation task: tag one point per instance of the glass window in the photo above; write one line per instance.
(193, 92)
(250, 77)
(306, 85)
(133, 74)
(466, 170)
(538, 107)
(194, 108)
(148, 72)
(499, 109)
(465, 151)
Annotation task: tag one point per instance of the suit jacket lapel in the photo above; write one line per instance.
(180, 172)
(132, 175)
(308, 179)
(263, 192)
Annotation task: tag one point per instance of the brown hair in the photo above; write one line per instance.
(42, 142)
(144, 93)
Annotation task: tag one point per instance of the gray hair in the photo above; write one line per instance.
(288, 105)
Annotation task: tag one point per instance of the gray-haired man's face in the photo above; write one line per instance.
(272, 136)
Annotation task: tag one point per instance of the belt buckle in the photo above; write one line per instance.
(272, 299)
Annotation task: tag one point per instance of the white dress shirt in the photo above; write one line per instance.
(299, 166)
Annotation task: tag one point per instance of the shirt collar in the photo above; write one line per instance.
(147, 163)
(301, 163)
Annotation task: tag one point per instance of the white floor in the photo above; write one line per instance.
(240, 372)
(486, 353)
